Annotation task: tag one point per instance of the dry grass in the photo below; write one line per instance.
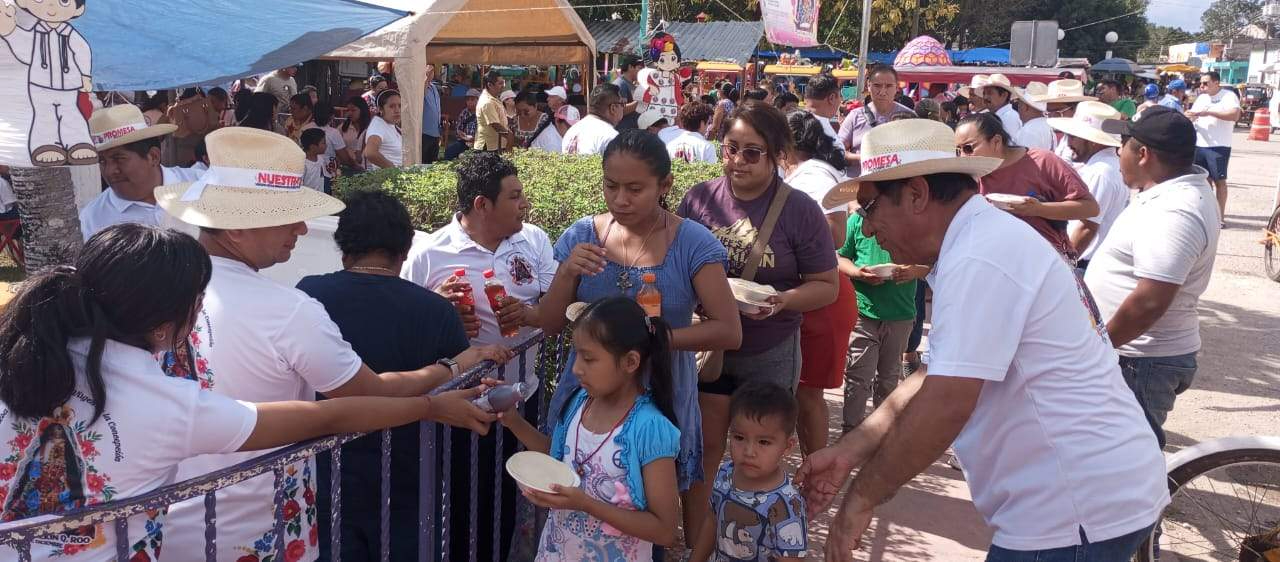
(9, 271)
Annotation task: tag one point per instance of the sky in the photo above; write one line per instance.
(1177, 13)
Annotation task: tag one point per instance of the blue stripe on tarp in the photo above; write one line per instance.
(141, 45)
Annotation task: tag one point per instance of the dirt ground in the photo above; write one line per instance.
(1236, 391)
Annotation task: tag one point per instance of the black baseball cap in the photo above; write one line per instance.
(1158, 127)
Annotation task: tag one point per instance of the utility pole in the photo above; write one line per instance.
(644, 25)
(862, 48)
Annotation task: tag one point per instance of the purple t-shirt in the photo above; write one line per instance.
(800, 244)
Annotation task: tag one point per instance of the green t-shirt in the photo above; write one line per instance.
(887, 301)
(1125, 106)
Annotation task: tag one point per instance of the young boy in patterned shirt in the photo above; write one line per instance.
(756, 514)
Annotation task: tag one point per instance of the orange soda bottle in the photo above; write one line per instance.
(496, 293)
(649, 297)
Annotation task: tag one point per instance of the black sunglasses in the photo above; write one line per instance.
(966, 148)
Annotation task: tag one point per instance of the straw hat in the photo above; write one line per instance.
(1087, 123)
(507, 95)
(254, 181)
(1065, 91)
(1001, 81)
(978, 82)
(906, 149)
(1032, 92)
(123, 124)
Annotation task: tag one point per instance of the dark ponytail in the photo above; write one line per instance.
(812, 139)
(620, 326)
(128, 280)
(989, 126)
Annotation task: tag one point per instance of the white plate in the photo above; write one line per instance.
(750, 292)
(536, 471)
(1004, 200)
(884, 270)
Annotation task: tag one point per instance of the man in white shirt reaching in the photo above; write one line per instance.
(129, 159)
(1035, 132)
(689, 145)
(1215, 112)
(593, 132)
(1095, 156)
(1019, 374)
(999, 94)
(1156, 261)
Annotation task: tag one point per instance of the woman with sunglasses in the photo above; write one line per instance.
(1052, 192)
(798, 260)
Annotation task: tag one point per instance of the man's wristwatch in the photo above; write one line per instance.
(452, 365)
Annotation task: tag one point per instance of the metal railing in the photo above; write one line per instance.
(20, 535)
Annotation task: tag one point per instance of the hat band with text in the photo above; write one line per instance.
(247, 178)
(894, 159)
(117, 132)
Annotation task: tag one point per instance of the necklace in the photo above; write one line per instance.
(577, 435)
(372, 268)
(624, 277)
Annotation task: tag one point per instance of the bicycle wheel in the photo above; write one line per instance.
(1226, 507)
(1271, 246)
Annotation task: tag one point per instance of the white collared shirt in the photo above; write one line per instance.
(691, 146)
(1057, 442)
(1035, 134)
(524, 262)
(109, 208)
(1010, 119)
(1102, 175)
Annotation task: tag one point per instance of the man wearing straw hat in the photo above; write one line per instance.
(257, 340)
(999, 94)
(1035, 132)
(1060, 101)
(1019, 373)
(129, 158)
(1095, 152)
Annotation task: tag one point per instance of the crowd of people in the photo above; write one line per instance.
(1065, 245)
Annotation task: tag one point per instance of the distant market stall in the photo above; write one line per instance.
(717, 41)
(481, 32)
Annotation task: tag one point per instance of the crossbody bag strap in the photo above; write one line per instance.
(765, 232)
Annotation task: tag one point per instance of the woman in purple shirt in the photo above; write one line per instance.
(799, 261)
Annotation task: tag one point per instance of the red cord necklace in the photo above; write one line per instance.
(577, 435)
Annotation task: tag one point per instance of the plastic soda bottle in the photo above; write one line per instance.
(496, 293)
(468, 299)
(649, 297)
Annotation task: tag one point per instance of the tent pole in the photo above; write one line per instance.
(862, 46)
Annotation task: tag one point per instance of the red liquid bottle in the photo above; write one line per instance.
(496, 293)
(468, 298)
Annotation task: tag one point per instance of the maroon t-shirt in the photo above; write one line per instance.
(800, 244)
(1045, 176)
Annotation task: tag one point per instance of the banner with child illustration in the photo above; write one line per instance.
(793, 23)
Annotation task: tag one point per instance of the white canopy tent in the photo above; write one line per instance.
(535, 32)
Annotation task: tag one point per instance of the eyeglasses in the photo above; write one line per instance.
(966, 149)
(865, 210)
(750, 155)
(617, 104)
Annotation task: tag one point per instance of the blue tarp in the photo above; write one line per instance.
(812, 53)
(984, 55)
(141, 45)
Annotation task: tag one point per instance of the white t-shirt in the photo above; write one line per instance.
(107, 208)
(1168, 233)
(525, 263)
(1057, 441)
(1035, 134)
(333, 142)
(1211, 131)
(1102, 175)
(549, 140)
(392, 147)
(313, 173)
(1010, 119)
(669, 133)
(827, 128)
(150, 423)
(261, 342)
(588, 136)
(816, 178)
(691, 146)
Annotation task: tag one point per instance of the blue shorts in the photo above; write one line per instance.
(1214, 159)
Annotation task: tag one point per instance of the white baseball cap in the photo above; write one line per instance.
(557, 92)
(649, 117)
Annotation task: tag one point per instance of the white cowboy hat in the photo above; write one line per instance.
(557, 92)
(1087, 123)
(254, 180)
(1001, 81)
(1032, 92)
(977, 82)
(906, 149)
(1065, 91)
(123, 124)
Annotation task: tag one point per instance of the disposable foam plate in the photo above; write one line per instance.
(537, 471)
(883, 271)
(749, 292)
(574, 310)
(1004, 200)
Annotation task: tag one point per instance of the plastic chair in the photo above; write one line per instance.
(9, 241)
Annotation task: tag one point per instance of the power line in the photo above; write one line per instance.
(536, 8)
(1135, 12)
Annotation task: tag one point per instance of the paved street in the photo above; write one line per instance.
(1236, 392)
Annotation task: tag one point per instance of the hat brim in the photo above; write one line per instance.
(1062, 99)
(976, 166)
(1070, 126)
(140, 134)
(238, 208)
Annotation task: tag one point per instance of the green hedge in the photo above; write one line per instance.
(560, 188)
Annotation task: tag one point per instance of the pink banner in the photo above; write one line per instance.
(793, 23)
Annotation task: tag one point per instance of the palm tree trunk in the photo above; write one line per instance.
(47, 206)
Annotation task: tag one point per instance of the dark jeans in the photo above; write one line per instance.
(430, 149)
(1119, 549)
(917, 331)
(455, 149)
(1157, 382)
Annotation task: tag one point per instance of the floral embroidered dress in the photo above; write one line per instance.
(611, 466)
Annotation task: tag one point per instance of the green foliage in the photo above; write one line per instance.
(1226, 19)
(561, 189)
(1159, 38)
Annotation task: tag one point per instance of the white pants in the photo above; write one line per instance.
(56, 119)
